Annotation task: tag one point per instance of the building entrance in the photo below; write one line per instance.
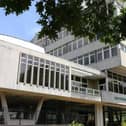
(62, 112)
(114, 116)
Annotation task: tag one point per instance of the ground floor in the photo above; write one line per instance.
(31, 110)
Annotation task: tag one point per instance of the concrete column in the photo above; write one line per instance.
(5, 109)
(70, 82)
(107, 86)
(38, 109)
(99, 115)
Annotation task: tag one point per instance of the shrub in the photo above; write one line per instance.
(74, 123)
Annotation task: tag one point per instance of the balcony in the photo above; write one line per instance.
(81, 92)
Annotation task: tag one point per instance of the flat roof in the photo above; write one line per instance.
(22, 43)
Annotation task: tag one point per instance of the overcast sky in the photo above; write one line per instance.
(23, 26)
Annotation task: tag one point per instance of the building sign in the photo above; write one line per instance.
(115, 98)
(120, 98)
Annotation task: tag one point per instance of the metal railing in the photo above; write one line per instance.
(77, 88)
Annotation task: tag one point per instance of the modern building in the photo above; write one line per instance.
(111, 60)
(37, 88)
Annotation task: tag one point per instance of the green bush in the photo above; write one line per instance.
(74, 123)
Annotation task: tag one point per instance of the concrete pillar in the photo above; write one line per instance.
(38, 109)
(70, 82)
(5, 109)
(99, 115)
(107, 86)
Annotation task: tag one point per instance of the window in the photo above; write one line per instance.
(38, 71)
(86, 59)
(84, 82)
(41, 76)
(111, 86)
(99, 55)
(35, 70)
(60, 52)
(57, 75)
(47, 73)
(74, 45)
(80, 43)
(106, 53)
(23, 62)
(51, 52)
(86, 41)
(114, 51)
(78, 78)
(102, 84)
(67, 82)
(80, 60)
(69, 47)
(64, 49)
(92, 57)
(55, 52)
(22, 72)
(41, 70)
(62, 81)
(29, 69)
(52, 74)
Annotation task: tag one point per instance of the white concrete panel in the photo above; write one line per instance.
(113, 98)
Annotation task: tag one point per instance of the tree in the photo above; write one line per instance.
(83, 18)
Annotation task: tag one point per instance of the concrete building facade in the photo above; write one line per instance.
(111, 60)
(37, 88)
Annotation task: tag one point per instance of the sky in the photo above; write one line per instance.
(23, 26)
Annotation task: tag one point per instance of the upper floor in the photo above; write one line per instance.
(87, 52)
(32, 71)
(29, 70)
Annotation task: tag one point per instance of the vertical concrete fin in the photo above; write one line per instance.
(38, 109)
(5, 109)
(98, 115)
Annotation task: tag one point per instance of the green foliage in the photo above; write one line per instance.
(74, 123)
(96, 17)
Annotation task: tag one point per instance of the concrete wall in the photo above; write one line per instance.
(107, 63)
(113, 98)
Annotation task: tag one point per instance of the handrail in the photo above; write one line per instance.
(76, 88)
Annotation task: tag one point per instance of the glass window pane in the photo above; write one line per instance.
(60, 52)
(80, 60)
(52, 79)
(41, 76)
(79, 43)
(120, 88)
(62, 81)
(86, 59)
(92, 57)
(22, 72)
(99, 55)
(106, 53)
(114, 51)
(29, 71)
(46, 77)
(110, 86)
(57, 79)
(74, 45)
(116, 88)
(69, 47)
(35, 73)
(67, 82)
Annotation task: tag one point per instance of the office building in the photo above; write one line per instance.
(111, 60)
(38, 88)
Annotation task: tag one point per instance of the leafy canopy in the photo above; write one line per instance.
(83, 18)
